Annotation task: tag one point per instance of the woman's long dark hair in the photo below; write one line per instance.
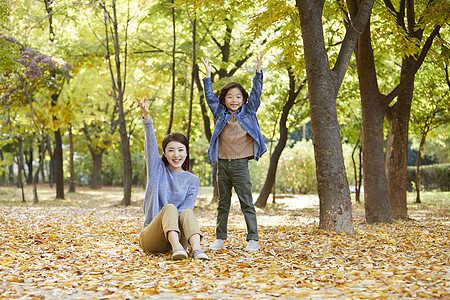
(176, 137)
(231, 85)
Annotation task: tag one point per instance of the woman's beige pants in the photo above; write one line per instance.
(153, 238)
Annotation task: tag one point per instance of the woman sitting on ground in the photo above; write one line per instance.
(170, 222)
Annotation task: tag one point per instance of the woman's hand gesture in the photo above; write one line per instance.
(208, 68)
(144, 106)
(258, 62)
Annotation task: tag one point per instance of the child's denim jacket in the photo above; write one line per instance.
(246, 116)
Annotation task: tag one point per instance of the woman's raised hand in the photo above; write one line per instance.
(144, 106)
(258, 61)
(208, 68)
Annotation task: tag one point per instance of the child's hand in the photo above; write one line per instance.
(144, 106)
(208, 67)
(258, 62)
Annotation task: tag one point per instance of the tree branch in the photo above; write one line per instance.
(410, 76)
(351, 38)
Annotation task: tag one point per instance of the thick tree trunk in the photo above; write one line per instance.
(333, 189)
(397, 154)
(397, 145)
(376, 197)
(96, 175)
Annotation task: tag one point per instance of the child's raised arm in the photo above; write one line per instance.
(208, 68)
(144, 106)
(258, 62)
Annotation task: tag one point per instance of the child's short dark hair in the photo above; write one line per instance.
(231, 85)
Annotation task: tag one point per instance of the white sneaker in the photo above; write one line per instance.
(252, 246)
(217, 245)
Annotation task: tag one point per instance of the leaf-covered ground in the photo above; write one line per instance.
(85, 247)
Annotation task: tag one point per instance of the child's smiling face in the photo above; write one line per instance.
(234, 99)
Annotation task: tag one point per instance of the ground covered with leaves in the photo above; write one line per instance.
(86, 247)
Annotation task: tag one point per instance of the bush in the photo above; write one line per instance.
(432, 177)
(296, 172)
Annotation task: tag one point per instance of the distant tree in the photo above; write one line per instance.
(385, 187)
(294, 91)
(429, 112)
(38, 73)
(118, 79)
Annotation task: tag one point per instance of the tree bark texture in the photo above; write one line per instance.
(59, 172)
(333, 189)
(58, 155)
(71, 164)
(376, 198)
(96, 175)
(397, 148)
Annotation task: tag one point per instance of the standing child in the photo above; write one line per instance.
(236, 139)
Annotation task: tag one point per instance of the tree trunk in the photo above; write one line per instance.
(40, 165)
(357, 183)
(3, 168)
(59, 172)
(52, 169)
(397, 153)
(119, 91)
(376, 198)
(419, 157)
(172, 9)
(11, 174)
(333, 189)
(43, 168)
(96, 175)
(204, 109)
(360, 169)
(191, 88)
(20, 165)
(126, 158)
(29, 163)
(271, 173)
(71, 164)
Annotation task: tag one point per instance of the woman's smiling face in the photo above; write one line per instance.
(175, 154)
